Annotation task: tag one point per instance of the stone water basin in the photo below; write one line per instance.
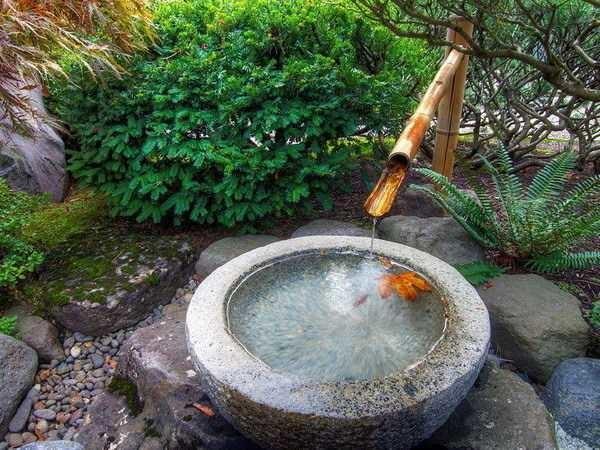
(298, 349)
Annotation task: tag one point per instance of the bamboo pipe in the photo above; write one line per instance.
(408, 143)
(382, 197)
(450, 109)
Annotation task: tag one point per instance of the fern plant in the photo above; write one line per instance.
(539, 224)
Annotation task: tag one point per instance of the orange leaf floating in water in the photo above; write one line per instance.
(406, 285)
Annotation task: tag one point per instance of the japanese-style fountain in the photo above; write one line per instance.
(334, 342)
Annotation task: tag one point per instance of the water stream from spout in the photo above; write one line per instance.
(373, 234)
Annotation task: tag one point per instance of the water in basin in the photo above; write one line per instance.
(321, 317)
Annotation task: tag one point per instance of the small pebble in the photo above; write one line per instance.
(41, 427)
(14, 439)
(28, 437)
(46, 414)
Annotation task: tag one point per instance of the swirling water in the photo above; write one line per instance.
(320, 316)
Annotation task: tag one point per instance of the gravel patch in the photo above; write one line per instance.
(64, 390)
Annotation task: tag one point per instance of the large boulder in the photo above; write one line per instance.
(33, 163)
(156, 360)
(440, 236)
(417, 203)
(224, 250)
(42, 336)
(110, 280)
(326, 227)
(535, 324)
(501, 412)
(18, 364)
(573, 395)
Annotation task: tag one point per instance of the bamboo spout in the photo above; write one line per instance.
(382, 197)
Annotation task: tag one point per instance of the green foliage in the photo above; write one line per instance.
(595, 315)
(479, 272)
(540, 225)
(8, 325)
(238, 113)
(17, 257)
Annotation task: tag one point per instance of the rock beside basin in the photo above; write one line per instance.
(224, 250)
(573, 395)
(535, 324)
(501, 412)
(156, 369)
(326, 227)
(417, 203)
(440, 236)
(18, 363)
(111, 280)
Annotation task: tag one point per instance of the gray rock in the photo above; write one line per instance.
(418, 204)
(129, 276)
(574, 399)
(79, 337)
(20, 417)
(535, 324)
(46, 414)
(18, 364)
(62, 369)
(42, 336)
(34, 163)
(327, 227)
(224, 250)
(501, 412)
(97, 360)
(53, 445)
(156, 360)
(440, 236)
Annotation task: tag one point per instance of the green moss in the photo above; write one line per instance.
(127, 389)
(102, 263)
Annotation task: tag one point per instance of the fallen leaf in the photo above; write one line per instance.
(204, 409)
(384, 288)
(406, 285)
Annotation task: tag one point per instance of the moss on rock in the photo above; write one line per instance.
(101, 264)
(124, 387)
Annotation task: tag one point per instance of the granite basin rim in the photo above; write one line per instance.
(226, 365)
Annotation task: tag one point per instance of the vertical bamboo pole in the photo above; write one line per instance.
(450, 108)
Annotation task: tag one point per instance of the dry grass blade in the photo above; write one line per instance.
(34, 32)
